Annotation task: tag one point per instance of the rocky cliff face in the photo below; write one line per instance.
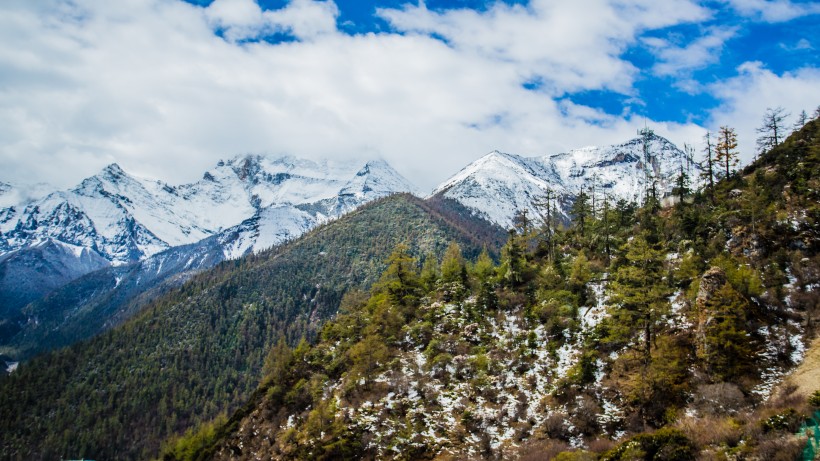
(710, 283)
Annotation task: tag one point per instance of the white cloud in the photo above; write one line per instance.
(146, 83)
(746, 97)
(680, 61)
(244, 19)
(572, 46)
(774, 10)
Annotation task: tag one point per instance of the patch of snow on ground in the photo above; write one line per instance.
(567, 354)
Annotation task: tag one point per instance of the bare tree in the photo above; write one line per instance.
(772, 131)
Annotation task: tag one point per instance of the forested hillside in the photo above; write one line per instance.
(198, 351)
(638, 333)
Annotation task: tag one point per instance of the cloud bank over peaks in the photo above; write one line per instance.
(167, 87)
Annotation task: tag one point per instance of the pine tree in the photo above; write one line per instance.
(484, 268)
(277, 363)
(545, 207)
(580, 275)
(606, 227)
(400, 280)
(728, 351)
(513, 261)
(802, 119)
(640, 293)
(772, 131)
(452, 266)
(681, 188)
(708, 164)
(366, 357)
(726, 147)
(430, 272)
(581, 211)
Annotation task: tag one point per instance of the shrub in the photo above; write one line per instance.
(578, 455)
(786, 421)
(814, 399)
(666, 444)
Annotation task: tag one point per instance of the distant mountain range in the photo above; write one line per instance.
(248, 203)
(84, 255)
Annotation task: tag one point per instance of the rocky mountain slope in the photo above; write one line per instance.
(498, 185)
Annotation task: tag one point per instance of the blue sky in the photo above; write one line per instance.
(168, 87)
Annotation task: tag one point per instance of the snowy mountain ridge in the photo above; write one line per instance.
(125, 218)
(498, 185)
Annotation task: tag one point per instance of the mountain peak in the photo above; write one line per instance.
(376, 179)
(113, 169)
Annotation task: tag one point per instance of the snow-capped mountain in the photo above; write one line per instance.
(125, 218)
(304, 200)
(249, 203)
(498, 185)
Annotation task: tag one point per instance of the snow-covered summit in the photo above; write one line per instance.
(376, 178)
(125, 218)
(498, 185)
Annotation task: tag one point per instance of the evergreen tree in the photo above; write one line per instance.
(278, 361)
(802, 119)
(581, 212)
(400, 280)
(366, 357)
(708, 164)
(625, 212)
(639, 293)
(726, 150)
(545, 206)
(606, 227)
(728, 352)
(681, 188)
(430, 272)
(772, 131)
(580, 275)
(484, 267)
(452, 266)
(514, 262)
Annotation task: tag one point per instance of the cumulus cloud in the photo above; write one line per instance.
(571, 46)
(747, 96)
